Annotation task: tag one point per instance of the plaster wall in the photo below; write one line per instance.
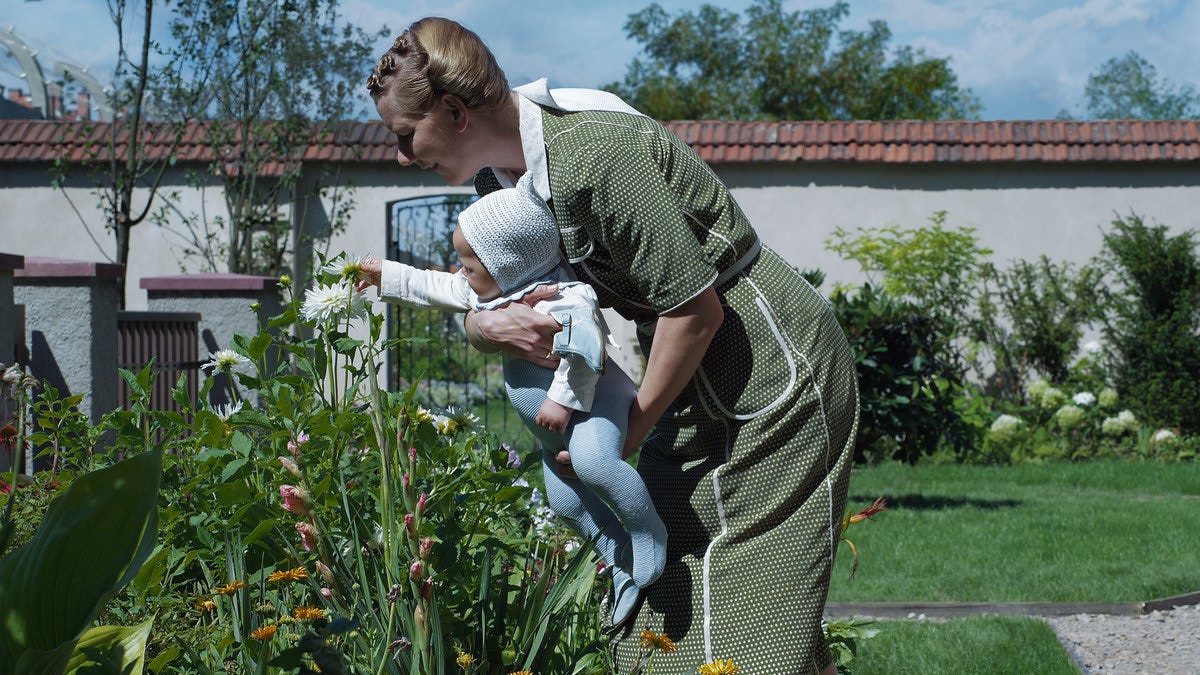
(71, 332)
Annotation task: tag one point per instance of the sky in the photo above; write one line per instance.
(1024, 59)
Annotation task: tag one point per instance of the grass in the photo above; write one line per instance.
(1085, 532)
(974, 646)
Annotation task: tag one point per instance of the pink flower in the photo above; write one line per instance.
(291, 465)
(308, 536)
(426, 547)
(293, 445)
(421, 503)
(326, 592)
(410, 525)
(412, 454)
(406, 481)
(427, 588)
(416, 571)
(294, 499)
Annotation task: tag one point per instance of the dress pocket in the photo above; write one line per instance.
(749, 367)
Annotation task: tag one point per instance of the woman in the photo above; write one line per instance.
(749, 385)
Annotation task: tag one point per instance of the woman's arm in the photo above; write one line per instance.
(681, 337)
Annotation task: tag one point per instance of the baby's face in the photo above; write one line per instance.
(478, 277)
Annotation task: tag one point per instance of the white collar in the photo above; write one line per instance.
(531, 98)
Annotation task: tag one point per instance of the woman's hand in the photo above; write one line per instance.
(517, 329)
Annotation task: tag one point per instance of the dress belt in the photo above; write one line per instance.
(738, 266)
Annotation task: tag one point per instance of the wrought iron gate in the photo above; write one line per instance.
(446, 370)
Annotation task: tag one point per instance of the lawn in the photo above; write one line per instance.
(975, 646)
(1085, 532)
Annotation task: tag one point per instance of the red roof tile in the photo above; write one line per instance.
(894, 142)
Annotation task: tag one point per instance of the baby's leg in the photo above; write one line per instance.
(595, 440)
(568, 497)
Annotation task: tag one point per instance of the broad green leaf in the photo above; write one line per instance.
(258, 346)
(111, 649)
(91, 542)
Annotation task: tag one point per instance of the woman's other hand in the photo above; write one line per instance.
(517, 329)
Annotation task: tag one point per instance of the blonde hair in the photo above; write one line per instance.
(437, 56)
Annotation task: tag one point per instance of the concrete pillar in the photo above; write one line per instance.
(224, 302)
(10, 321)
(71, 327)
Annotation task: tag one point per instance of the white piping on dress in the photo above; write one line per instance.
(828, 442)
(785, 347)
(705, 577)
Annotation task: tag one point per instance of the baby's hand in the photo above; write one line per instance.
(553, 416)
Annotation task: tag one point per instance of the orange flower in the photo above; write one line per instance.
(230, 589)
(719, 667)
(651, 640)
(265, 632)
(521, 672)
(206, 605)
(308, 613)
(294, 574)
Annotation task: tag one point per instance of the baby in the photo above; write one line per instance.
(507, 243)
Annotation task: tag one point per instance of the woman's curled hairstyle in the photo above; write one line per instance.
(436, 56)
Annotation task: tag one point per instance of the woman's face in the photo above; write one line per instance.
(431, 141)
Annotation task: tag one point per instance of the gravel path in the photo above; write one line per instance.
(1158, 643)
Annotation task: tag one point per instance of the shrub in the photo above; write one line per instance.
(1152, 321)
(907, 384)
(1031, 317)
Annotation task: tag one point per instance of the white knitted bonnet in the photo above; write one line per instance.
(514, 234)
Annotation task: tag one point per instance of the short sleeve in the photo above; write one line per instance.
(622, 200)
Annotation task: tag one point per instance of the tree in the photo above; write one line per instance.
(279, 77)
(120, 164)
(776, 65)
(1129, 88)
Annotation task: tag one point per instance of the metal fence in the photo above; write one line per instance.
(171, 340)
(437, 359)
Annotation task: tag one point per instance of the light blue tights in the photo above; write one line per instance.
(608, 498)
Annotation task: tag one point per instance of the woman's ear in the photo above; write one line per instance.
(457, 111)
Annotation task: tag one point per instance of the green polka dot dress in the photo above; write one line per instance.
(750, 465)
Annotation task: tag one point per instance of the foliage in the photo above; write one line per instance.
(907, 385)
(1152, 320)
(47, 604)
(1129, 87)
(912, 364)
(1031, 318)
(776, 65)
(278, 78)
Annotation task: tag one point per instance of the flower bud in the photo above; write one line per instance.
(416, 571)
(308, 536)
(426, 547)
(421, 503)
(285, 280)
(410, 525)
(325, 572)
(291, 465)
(427, 589)
(326, 593)
(419, 617)
(294, 499)
(412, 454)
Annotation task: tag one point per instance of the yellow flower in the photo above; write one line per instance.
(206, 605)
(464, 660)
(650, 640)
(264, 633)
(521, 672)
(294, 574)
(230, 589)
(308, 612)
(719, 667)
